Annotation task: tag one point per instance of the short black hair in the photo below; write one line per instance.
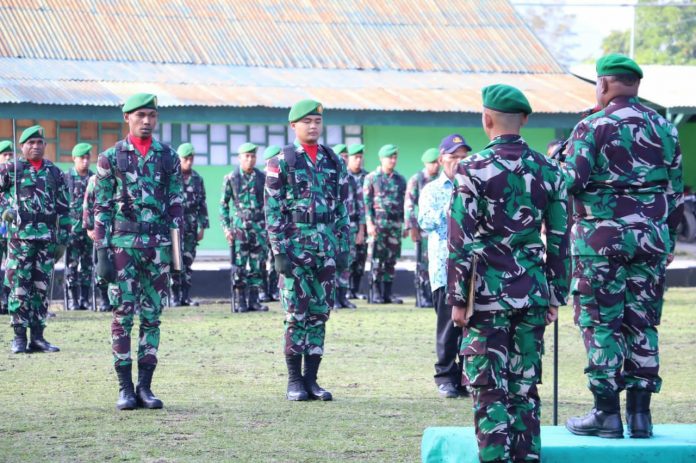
(628, 79)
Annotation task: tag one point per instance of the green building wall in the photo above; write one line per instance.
(687, 142)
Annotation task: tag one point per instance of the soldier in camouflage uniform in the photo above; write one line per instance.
(384, 192)
(502, 196)
(138, 200)
(624, 172)
(78, 271)
(242, 218)
(357, 174)
(6, 154)
(195, 223)
(306, 192)
(413, 189)
(38, 232)
(100, 285)
(272, 290)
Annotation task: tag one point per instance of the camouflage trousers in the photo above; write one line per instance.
(78, 256)
(618, 305)
(422, 266)
(343, 279)
(27, 274)
(357, 265)
(249, 254)
(140, 287)
(502, 353)
(188, 255)
(387, 251)
(307, 296)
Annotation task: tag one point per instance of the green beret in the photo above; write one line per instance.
(81, 149)
(430, 155)
(140, 100)
(6, 145)
(185, 150)
(247, 148)
(270, 152)
(388, 151)
(615, 64)
(35, 131)
(305, 108)
(356, 148)
(506, 99)
(340, 148)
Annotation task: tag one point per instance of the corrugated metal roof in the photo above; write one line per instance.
(110, 83)
(482, 36)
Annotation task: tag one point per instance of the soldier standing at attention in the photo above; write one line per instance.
(384, 191)
(306, 191)
(243, 220)
(413, 189)
(138, 200)
(195, 223)
(38, 230)
(502, 196)
(6, 154)
(100, 285)
(357, 175)
(624, 172)
(78, 272)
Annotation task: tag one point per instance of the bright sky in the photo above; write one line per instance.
(594, 20)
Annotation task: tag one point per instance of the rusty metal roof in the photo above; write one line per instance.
(473, 36)
(110, 83)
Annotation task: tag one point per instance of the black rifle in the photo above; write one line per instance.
(65, 280)
(94, 278)
(555, 372)
(371, 273)
(416, 274)
(233, 274)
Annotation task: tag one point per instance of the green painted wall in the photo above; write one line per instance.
(687, 140)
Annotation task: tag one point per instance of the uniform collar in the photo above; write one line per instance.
(506, 139)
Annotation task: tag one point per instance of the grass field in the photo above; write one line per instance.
(222, 378)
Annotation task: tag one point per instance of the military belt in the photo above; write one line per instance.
(37, 217)
(355, 218)
(393, 216)
(141, 227)
(312, 217)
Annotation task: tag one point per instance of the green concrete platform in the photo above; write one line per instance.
(672, 443)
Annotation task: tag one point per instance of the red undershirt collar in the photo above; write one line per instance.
(141, 144)
(311, 151)
(37, 164)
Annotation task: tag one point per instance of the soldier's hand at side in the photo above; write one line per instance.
(58, 252)
(404, 233)
(552, 314)
(360, 237)
(200, 234)
(459, 316)
(670, 258)
(105, 266)
(371, 229)
(91, 235)
(415, 234)
(282, 264)
(228, 236)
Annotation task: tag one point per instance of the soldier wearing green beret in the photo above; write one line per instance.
(6, 154)
(38, 232)
(384, 193)
(413, 189)
(624, 170)
(195, 223)
(308, 226)
(356, 175)
(78, 257)
(243, 221)
(138, 202)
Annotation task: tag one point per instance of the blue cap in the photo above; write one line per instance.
(451, 143)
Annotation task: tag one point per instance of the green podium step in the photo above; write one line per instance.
(672, 443)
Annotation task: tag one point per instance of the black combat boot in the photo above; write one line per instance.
(388, 298)
(143, 393)
(37, 343)
(84, 297)
(311, 368)
(185, 300)
(638, 419)
(254, 301)
(355, 287)
(19, 343)
(126, 394)
(73, 298)
(240, 294)
(342, 299)
(176, 295)
(604, 420)
(296, 388)
(427, 298)
(376, 293)
(103, 304)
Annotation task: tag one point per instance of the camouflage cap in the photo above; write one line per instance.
(305, 108)
(356, 148)
(185, 150)
(340, 148)
(270, 152)
(616, 64)
(506, 99)
(35, 131)
(81, 149)
(430, 155)
(140, 100)
(247, 148)
(388, 151)
(5, 146)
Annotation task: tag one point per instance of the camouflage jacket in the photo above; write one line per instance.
(88, 204)
(137, 198)
(624, 171)
(297, 196)
(413, 189)
(356, 203)
(195, 207)
(76, 188)
(43, 201)
(384, 198)
(502, 196)
(241, 203)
